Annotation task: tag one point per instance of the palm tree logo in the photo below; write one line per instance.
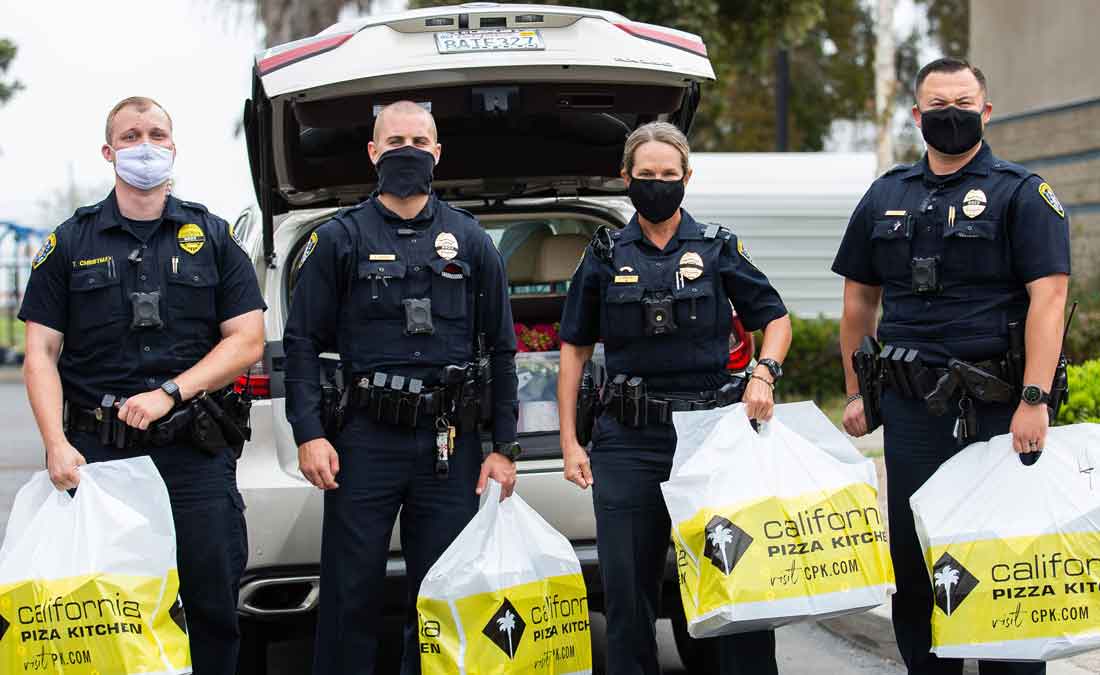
(505, 628)
(952, 583)
(947, 577)
(720, 537)
(725, 543)
(507, 624)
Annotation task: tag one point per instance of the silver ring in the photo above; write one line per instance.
(1033, 444)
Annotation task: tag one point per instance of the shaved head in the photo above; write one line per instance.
(402, 109)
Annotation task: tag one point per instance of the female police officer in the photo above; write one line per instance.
(658, 292)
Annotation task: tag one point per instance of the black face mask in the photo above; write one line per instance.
(656, 200)
(951, 130)
(405, 172)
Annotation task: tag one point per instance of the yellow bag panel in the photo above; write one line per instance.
(776, 548)
(96, 624)
(1016, 588)
(540, 627)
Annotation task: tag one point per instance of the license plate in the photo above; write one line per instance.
(505, 40)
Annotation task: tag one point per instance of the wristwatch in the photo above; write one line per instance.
(773, 367)
(510, 450)
(173, 390)
(1034, 395)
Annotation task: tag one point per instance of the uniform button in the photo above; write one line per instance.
(143, 247)
(694, 290)
(416, 354)
(151, 381)
(416, 268)
(91, 281)
(145, 348)
(659, 265)
(195, 278)
(143, 277)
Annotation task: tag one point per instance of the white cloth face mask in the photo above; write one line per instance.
(144, 166)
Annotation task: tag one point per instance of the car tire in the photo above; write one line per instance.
(698, 656)
(253, 655)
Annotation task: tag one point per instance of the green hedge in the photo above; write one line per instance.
(1084, 394)
(812, 369)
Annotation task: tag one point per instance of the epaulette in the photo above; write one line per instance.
(1011, 167)
(715, 231)
(86, 211)
(460, 210)
(194, 205)
(897, 168)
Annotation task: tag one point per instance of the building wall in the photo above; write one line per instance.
(1036, 54)
(1040, 61)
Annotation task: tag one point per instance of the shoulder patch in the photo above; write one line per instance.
(45, 250)
(311, 246)
(1052, 199)
(743, 251)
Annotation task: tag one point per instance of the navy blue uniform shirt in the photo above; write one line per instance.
(700, 274)
(84, 274)
(357, 270)
(993, 227)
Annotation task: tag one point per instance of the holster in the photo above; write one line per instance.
(588, 403)
(867, 364)
(333, 409)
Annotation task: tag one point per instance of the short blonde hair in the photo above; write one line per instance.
(662, 132)
(406, 107)
(142, 103)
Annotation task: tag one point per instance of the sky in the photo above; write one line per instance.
(77, 59)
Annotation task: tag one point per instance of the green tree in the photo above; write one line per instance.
(7, 55)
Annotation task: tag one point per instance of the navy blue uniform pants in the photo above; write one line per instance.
(211, 543)
(383, 470)
(917, 443)
(632, 537)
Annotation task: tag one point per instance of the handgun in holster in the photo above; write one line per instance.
(634, 401)
(112, 430)
(587, 404)
(333, 409)
(205, 433)
(867, 364)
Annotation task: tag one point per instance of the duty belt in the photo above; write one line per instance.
(113, 432)
(398, 400)
(626, 400)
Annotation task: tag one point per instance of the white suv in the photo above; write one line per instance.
(533, 104)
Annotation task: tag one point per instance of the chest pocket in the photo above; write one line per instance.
(890, 248)
(95, 298)
(450, 281)
(974, 251)
(380, 288)
(192, 291)
(623, 314)
(695, 314)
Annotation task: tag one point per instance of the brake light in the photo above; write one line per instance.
(293, 52)
(256, 381)
(742, 347)
(665, 37)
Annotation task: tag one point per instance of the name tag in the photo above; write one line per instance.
(382, 256)
(626, 279)
(896, 213)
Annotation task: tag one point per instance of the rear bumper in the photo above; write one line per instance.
(285, 593)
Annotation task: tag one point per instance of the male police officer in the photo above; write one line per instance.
(404, 287)
(157, 309)
(970, 257)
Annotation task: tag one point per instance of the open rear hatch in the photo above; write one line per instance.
(530, 100)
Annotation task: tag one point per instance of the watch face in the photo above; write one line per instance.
(1032, 394)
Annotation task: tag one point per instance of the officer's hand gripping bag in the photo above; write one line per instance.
(1013, 551)
(769, 527)
(88, 583)
(507, 596)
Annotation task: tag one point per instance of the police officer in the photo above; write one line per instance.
(959, 247)
(401, 287)
(155, 306)
(658, 293)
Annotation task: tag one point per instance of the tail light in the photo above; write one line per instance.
(293, 52)
(256, 382)
(742, 347)
(664, 36)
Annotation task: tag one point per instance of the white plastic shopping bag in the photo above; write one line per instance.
(88, 584)
(506, 597)
(774, 526)
(1013, 551)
